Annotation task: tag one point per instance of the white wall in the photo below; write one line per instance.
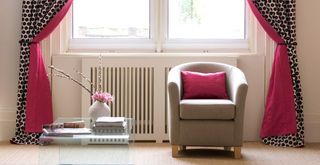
(10, 18)
(307, 34)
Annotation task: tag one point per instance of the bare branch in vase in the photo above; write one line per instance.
(66, 75)
(86, 78)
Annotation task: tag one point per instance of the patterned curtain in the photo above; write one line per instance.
(283, 117)
(34, 104)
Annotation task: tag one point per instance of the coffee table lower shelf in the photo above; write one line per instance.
(85, 139)
(85, 154)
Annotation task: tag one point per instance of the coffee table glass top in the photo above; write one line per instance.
(97, 136)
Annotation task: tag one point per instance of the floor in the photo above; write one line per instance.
(253, 153)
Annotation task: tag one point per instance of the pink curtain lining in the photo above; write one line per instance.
(279, 116)
(54, 22)
(265, 25)
(39, 100)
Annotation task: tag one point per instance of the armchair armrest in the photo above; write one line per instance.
(238, 87)
(174, 95)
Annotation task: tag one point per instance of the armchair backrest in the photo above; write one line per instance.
(210, 67)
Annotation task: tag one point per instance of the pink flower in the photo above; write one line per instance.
(102, 97)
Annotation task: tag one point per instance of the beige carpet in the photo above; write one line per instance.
(253, 153)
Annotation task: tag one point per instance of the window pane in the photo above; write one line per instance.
(111, 19)
(206, 19)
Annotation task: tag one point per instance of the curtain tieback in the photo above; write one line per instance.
(292, 43)
(24, 41)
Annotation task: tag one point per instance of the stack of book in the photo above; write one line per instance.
(65, 129)
(109, 125)
(109, 130)
(105, 130)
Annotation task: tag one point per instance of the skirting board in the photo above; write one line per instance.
(312, 127)
(7, 122)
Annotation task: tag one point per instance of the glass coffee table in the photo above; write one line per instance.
(109, 147)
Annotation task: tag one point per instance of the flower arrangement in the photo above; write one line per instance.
(98, 95)
(102, 97)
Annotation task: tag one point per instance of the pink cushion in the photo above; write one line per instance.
(204, 85)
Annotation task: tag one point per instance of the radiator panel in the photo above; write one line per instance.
(132, 88)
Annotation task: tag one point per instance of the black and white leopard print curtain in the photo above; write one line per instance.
(280, 15)
(39, 18)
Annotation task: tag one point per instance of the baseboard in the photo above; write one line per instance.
(7, 122)
(312, 127)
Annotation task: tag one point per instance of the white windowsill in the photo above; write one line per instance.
(154, 55)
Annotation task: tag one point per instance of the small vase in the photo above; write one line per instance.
(98, 109)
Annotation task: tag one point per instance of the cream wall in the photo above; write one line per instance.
(308, 36)
(307, 31)
(10, 21)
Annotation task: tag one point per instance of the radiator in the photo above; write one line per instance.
(139, 88)
(133, 91)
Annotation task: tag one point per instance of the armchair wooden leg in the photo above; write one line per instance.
(181, 148)
(175, 150)
(227, 148)
(237, 152)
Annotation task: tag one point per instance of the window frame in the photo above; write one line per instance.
(158, 41)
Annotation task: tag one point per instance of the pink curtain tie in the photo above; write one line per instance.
(27, 42)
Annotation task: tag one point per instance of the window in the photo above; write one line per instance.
(111, 19)
(206, 19)
(159, 25)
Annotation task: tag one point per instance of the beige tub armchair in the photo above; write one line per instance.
(207, 122)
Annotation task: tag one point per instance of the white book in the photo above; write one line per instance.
(66, 131)
(110, 119)
(114, 125)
